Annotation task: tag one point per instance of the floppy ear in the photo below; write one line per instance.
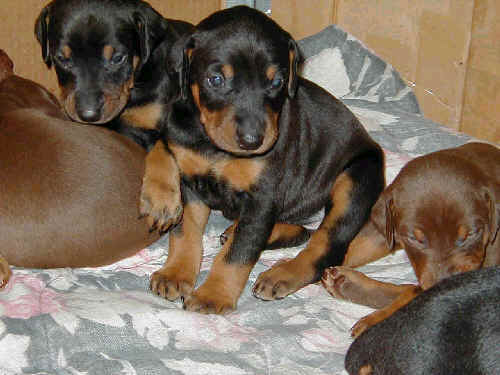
(151, 28)
(493, 214)
(186, 63)
(294, 64)
(382, 216)
(145, 40)
(41, 33)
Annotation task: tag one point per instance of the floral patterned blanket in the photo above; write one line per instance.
(105, 320)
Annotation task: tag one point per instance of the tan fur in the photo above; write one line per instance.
(145, 117)
(178, 276)
(107, 52)
(220, 292)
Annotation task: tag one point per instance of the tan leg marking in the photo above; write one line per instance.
(288, 277)
(368, 246)
(178, 276)
(407, 294)
(161, 194)
(5, 272)
(220, 292)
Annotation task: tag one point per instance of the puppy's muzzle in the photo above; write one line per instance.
(89, 107)
(250, 132)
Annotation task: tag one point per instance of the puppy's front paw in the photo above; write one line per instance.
(207, 302)
(278, 282)
(162, 204)
(170, 284)
(5, 273)
(361, 325)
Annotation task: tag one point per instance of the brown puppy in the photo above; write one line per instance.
(69, 193)
(444, 210)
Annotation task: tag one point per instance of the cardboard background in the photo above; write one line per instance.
(448, 50)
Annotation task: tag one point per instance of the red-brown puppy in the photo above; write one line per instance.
(444, 210)
(69, 193)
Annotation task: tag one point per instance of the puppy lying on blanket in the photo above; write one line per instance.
(452, 328)
(444, 210)
(69, 193)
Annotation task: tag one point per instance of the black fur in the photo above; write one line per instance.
(319, 138)
(452, 328)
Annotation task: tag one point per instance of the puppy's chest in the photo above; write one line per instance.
(219, 179)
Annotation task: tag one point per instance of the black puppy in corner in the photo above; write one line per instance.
(452, 328)
(267, 148)
(109, 56)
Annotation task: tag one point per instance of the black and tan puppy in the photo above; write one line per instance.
(110, 60)
(69, 192)
(268, 149)
(452, 328)
(444, 210)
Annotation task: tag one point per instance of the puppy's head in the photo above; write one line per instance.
(238, 68)
(444, 219)
(97, 47)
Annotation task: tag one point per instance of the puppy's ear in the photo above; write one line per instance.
(493, 214)
(186, 65)
(151, 28)
(294, 57)
(41, 33)
(382, 216)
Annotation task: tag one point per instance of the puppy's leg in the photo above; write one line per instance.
(407, 293)
(161, 194)
(220, 292)
(282, 236)
(5, 272)
(345, 283)
(351, 200)
(178, 276)
(348, 284)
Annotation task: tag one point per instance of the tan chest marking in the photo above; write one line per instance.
(241, 174)
(145, 117)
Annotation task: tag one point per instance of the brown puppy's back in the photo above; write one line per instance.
(69, 193)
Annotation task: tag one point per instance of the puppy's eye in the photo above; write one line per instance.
(276, 83)
(215, 81)
(118, 59)
(63, 61)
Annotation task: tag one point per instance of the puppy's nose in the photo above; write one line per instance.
(90, 115)
(250, 141)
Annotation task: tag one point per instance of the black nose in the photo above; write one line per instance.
(250, 141)
(89, 115)
(89, 106)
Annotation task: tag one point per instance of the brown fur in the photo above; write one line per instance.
(70, 192)
(443, 209)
